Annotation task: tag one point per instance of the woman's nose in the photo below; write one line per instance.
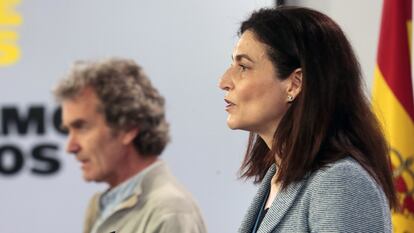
(225, 82)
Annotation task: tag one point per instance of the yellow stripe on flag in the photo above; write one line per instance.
(399, 130)
(397, 124)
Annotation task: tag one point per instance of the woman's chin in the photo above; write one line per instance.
(233, 125)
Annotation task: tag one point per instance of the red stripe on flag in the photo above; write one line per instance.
(393, 51)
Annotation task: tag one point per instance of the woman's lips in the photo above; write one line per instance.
(229, 104)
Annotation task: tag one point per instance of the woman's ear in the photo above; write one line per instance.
(295, 84)
(129, 135)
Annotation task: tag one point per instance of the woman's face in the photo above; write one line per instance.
(256, 98)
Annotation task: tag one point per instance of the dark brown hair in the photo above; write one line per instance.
(331, 118)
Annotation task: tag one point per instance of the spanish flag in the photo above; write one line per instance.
(393, 103)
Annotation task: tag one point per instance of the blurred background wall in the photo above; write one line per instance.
(183, 45)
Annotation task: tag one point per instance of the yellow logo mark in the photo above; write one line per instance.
(9, 49)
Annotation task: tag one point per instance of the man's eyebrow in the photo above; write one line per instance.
(74, 124)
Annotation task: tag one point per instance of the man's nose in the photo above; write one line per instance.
(72, 144)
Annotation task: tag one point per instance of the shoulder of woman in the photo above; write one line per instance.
(346, 182)
(344, 196)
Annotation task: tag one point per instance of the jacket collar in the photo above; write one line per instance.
(149, 179)
(283, 201)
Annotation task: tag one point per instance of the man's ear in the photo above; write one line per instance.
(129, 135)
(295, 84)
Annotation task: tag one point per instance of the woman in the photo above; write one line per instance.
(315, 146)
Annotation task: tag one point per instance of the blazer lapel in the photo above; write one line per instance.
(280, 206)
(252, 212)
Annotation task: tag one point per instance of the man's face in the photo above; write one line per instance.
(99, 150)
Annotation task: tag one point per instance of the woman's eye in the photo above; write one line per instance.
(242, 68)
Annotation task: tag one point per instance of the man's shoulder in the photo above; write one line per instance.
(171, 196)
(164, 192)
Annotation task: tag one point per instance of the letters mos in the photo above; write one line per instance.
(10, 19)
(39, 156)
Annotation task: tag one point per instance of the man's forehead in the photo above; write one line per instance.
(79, 109)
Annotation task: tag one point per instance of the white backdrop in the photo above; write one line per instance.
(183, 45)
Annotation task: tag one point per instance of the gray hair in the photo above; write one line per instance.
(127, 98)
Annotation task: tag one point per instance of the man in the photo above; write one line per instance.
(117, 130)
